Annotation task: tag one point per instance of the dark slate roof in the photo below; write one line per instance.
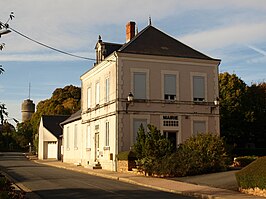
(110, 48)
(151, 41)
(52, 123)
(74, 117)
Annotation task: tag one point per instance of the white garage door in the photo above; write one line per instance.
(52, 150)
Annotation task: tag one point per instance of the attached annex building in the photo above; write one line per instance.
(50, 140)
(173, 87)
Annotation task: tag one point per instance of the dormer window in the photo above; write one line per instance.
(99, 50)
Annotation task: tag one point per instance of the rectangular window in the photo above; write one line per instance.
(198, 88)
(88, 137)
(89, 98)
(169, 87)
(97, 93)
(136, 126)
(107, 87)
(107, 134)
(75, 136)
(139, 82)
(199, 127)
(67, 138)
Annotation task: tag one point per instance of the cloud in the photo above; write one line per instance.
(257, 50)
(74, 25)
(227, 36)
(46, 57)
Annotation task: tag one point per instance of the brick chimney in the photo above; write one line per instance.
(130, 30)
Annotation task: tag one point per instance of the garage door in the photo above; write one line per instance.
(52, 150)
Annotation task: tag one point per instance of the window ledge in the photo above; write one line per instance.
(106, 148)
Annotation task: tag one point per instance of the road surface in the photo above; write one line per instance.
(49, 182)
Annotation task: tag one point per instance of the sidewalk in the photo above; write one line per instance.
(156, 183)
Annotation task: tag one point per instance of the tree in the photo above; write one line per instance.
(233, 108)
(24, 134)
(243, 113)
(64, 101)
(6, 140)
(3, 112)
(257, 106)
(150, 148)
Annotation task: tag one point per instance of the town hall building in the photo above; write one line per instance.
(151, 79)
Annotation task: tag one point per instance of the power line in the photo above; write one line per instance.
(47, 46)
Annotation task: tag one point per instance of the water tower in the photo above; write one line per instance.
(27, 108)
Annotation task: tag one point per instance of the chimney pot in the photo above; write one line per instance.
(130, 30)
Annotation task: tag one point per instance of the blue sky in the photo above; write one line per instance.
(231, 30)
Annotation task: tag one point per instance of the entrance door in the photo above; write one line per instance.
(172, 136)
(96, 146)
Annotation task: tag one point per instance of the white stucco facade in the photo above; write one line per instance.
(176, 94)
(48, 144)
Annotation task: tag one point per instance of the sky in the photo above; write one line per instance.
(231, 30)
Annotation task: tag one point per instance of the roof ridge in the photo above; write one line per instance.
(152, 41)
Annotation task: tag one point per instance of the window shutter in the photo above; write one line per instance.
(89, 98)
(97, 96)
(198, 88)
(88, 142)
(107, 90)
(139, 85)
(199, 127)
(170, 84)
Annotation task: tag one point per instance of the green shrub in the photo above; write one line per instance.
(253, 175)
(150, 148)
(200, 154)
(204, 153)
(126, 155)
(244, 160)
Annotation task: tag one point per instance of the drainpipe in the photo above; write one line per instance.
(116, 114)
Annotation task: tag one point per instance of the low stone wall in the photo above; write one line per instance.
(125, 165)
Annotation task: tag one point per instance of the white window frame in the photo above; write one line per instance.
(197, 74)
(169, 72)
(141, 70)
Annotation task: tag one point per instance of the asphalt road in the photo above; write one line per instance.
(50, 182)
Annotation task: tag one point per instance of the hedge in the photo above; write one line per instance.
(244, 160)
(203, 153)
(126, 155)
(253, 175)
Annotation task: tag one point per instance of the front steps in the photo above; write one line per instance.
(96, 165)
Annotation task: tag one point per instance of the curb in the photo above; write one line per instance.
(20, 187)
